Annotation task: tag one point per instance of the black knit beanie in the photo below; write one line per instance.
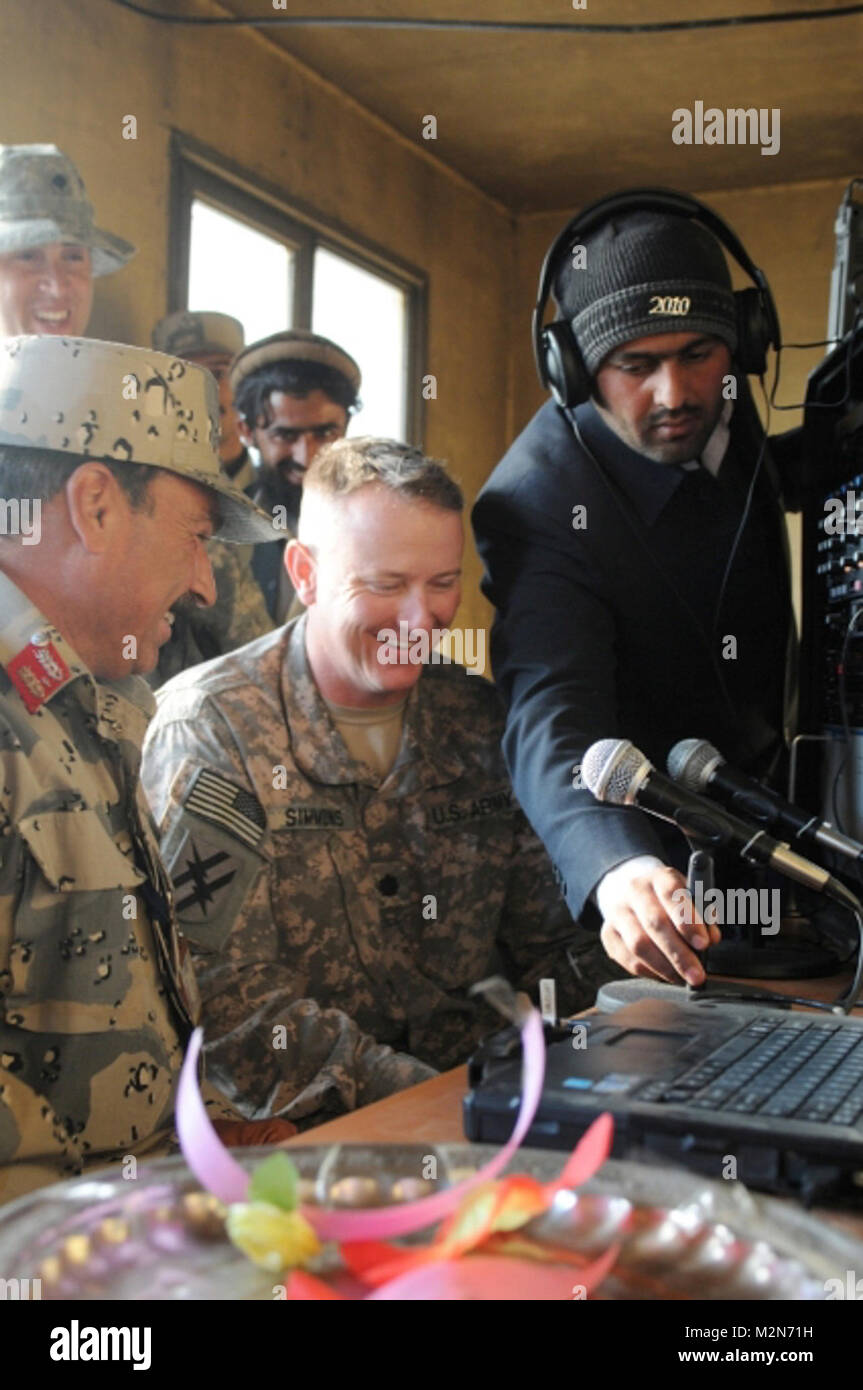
(645, 273)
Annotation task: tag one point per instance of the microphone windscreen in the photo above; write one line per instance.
(691, 762)
(610, 768)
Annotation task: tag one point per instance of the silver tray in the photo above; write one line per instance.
(159, 1237)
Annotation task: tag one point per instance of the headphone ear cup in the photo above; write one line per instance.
(754, 332)
(563, 369)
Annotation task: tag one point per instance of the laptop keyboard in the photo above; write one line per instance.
(777, 1068)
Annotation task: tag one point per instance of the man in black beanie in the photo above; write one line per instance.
(639, 275)
(636, 552)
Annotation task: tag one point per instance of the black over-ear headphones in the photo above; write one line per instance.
(559, 361)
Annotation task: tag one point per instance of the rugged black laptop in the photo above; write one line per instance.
(770, 1097)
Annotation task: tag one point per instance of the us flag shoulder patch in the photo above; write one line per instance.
(222, 803)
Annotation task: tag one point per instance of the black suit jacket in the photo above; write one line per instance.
(602, 630)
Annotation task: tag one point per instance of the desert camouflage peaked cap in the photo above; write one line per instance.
(122, 404)
(43, 199)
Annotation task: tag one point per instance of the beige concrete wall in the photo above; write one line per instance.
(72, 69)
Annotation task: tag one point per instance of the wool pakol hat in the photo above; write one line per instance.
(43, 199)
(298, 345)
(120, 404)
(646, 273)
(190, 331)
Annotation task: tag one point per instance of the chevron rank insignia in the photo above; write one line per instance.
(232, 808)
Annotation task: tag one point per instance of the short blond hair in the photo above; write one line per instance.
(349, 464)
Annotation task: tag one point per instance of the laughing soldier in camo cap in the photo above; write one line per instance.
(50, 249)
(109, 488)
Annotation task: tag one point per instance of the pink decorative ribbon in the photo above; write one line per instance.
(203, 1150)
(220, 1174)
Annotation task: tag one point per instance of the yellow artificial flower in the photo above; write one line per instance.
(272, 1238)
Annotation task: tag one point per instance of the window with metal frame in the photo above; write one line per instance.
(244, 250)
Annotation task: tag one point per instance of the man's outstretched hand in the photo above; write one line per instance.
(649, 933)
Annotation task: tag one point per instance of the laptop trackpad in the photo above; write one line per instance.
(649, 1040)
(634, 1052)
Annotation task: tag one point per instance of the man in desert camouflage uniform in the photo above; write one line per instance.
(239, 614)
(96, 1000)
(338, 822)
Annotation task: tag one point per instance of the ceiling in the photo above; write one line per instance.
(543, 121)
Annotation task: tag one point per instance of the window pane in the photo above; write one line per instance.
(367, 316)
(239, 271)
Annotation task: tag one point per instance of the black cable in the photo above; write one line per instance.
(744, 518)
(843, 709)
(488, 26)
(821, 342)
(842, 1004)
(771, 997)
(849, 1001)
(849, 365)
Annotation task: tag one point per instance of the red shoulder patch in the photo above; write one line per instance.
(36, 672)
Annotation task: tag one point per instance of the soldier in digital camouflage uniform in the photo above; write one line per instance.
(96, 1000)
(337, 821)
(239, 614)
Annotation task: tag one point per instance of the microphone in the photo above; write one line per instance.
(701, 768)
(617, 772)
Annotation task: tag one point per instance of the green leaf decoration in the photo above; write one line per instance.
(275, 1181)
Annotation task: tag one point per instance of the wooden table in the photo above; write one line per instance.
(426, 1114)
(431, 1112)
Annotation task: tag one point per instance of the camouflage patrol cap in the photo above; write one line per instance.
(43, 199)
(121, 404)
(190, 331)
(298, 345)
